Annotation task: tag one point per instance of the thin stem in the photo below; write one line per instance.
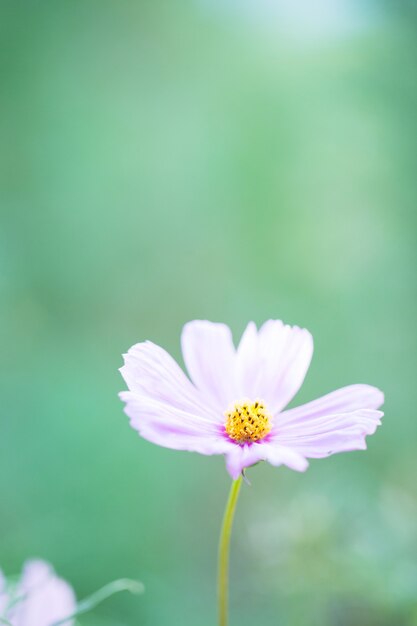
(224, 549)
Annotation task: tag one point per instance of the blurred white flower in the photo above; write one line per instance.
(40, 598)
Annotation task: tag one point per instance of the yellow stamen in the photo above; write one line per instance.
(248, 421)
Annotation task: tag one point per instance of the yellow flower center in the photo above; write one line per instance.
(248, 421)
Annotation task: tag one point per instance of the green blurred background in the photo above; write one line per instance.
(226, 160)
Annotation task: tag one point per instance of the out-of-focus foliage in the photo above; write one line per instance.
(213, 159)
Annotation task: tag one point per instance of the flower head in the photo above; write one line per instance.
(39, 599)
(235, 402)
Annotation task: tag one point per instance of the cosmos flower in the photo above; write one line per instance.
(235, 402)
(40, 598)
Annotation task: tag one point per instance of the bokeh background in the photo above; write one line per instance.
(226, 160)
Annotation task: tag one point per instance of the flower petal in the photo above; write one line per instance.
(272, 364)
(248, 363)
(48, 598)
(210, 358)
(326, 435)
(169, 426)
(150, 371)
(343, 400)
(4, 598)
(337, 422)
(283, 455)
(240, 457)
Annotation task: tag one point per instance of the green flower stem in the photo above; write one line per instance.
(224, 549)
(123, 584)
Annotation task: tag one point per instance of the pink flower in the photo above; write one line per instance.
(236, 400)
(39, 599)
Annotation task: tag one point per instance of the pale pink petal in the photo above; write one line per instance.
(242, 456)
(210, 358)
(272, 364)
(248, 363)
(322, 436)
(282, 455)
(171, 427)
(48, 598)
(239, 457)
(150, 371)
(165, 407)
(343, 400)
(4, 598)
(35, 573)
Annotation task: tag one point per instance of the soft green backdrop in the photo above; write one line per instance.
(165, 161)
